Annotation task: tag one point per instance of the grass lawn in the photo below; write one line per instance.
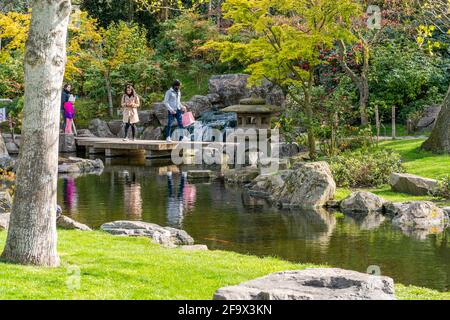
(415, 161)
(113, 267)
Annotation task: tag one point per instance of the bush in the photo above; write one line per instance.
(443, 188)
(364, 168)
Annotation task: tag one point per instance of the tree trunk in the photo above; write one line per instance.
(377, 123)
(32, 229)
(394, 128)
(110, 98)
(363, 100)
(439, 140)
(361, 82)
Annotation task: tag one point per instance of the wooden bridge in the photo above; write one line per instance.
(114, 147)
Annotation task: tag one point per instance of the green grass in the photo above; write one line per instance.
(113, 267)
(417, 161)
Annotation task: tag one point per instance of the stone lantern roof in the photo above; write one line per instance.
(254, 106)
(254, 113)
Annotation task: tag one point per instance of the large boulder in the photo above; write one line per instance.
(312, 284)
(362, 203)
(79, 165)
(417, 218)
(67, 223)
(67, 143)
(198, 105)
(4, 221)
(161, 114)
(287, 150)
(151, 133)
(266, 185)
(84, 133)
(145, 117)
(115, 126)
(231, 88)
(428, 119)
(100, 128)
(412, 184)
(309, 185)
(165, 236)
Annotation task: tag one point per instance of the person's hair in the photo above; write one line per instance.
(176, 83)
(133, 92)
(66, 85)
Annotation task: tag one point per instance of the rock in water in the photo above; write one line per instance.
(80, 165)
(241, 175)
(412, 184)
(64, 222)
(362, 203)
(309, 185)
(165, 236)
(100, 129)
(312, 284)
(417, 218)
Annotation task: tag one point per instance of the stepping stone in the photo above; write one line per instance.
(312, 284)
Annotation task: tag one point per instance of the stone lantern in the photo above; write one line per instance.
(254, 113)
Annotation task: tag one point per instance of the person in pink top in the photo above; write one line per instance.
(69, 114)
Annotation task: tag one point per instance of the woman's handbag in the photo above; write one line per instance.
(187, 119)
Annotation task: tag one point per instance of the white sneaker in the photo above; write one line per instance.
(168, 140)
(125, 139)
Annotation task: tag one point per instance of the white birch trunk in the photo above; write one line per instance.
(32, 230)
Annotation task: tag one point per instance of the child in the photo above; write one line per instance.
(69, 113)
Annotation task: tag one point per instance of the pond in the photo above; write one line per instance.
(223, 217)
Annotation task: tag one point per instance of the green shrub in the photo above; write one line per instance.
(365, 167)
(443, 188)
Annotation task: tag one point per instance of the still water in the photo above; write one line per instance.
(224, 217)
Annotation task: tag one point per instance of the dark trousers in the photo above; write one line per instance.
(133, 129)
(178, 117)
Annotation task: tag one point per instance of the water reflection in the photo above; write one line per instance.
(132, 198)
(224, 217)
(180, 200)
(70, 194)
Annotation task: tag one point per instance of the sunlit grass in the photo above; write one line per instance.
(113, 267)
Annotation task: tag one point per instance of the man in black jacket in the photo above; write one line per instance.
(64, 98)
